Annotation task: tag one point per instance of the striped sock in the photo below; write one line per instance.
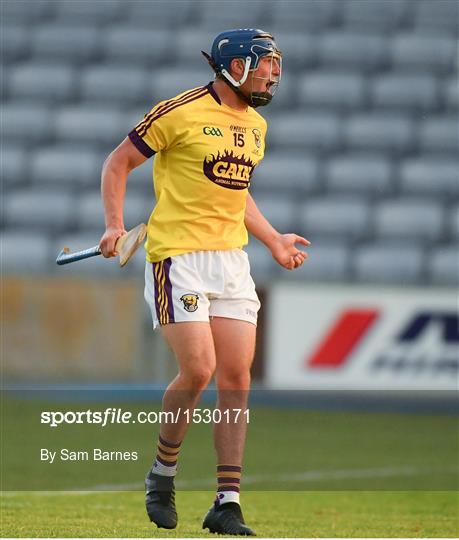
(228, 482)
(166, 458)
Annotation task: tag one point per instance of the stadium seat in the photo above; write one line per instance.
(378, 131)
(418, 51)
(308, 14)
(166, 83)
(71, 166)
(24, 252)
(298, 49)
(262, 265)
(233, 14)
(438, 15)
(451, 93)
(187, 47)
(443, 265)
(434, 176)
(335, 216)
(308, 129)
(42, 82)
(395, 263)
(404, 91)
(112, 83)
(88, 124)
(24, 11)
(324, 88)
(295, 173)
(365, 173)
(361, 51)
(369, 16)
(409, 218)
(94, 12)
(39, 208)
(327, 261)
(132, 45)
(440, 134)
(281, 212)
(161, 13)
(76, 44)
(15, 43)
(454, 222)
(15, 165)
(26, 123)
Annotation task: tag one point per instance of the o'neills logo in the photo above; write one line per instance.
(228, 170)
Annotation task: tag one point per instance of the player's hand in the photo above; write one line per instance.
(108, 241)
(286, 253)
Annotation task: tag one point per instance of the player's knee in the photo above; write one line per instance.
(234, 380)
(197, 378)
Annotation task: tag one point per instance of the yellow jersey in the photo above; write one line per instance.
(205, 154)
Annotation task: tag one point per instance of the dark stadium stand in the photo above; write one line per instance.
(362, 146)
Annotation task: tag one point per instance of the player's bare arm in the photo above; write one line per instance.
(115, 172)
(282, 246)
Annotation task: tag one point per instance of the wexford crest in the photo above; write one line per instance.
(190, 302)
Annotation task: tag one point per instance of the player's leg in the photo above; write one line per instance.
(192, 344)
(234, 346)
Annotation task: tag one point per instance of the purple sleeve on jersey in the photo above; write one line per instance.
(140, 144)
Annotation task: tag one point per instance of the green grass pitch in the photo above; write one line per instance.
(306, 474)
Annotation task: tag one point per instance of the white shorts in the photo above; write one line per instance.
(201, 284)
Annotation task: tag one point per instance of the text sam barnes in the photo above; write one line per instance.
(96, 454)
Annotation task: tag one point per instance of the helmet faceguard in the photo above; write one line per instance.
(248, 45)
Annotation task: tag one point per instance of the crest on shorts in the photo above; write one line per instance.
(190, 302)
(257, 135)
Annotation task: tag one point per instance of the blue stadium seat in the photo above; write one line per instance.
(438, 15)
(308, 129)
(42, 82)
(368, 16)
(405, 91)
(398, 263)
(418, 51)
(297, 173)
(15, 165)
(333, 89)
(232, 14)
(378, 131)
(443, 265)
(26, 11)
(102, 125)
(39, 208)
(76, 44)
(94, 12)
(308, 14)
(27, 123)
(361, 51)
(451, 93)
(72, 166)
(262, 265)
(188, 44)
(15, 43)
(365, 173)
(160, 13)
(440, 133)
(281, 212)
(327, 261)
(335, 216)
(435, 176)
(409, 218)
(25, 252)
(166, 83)
(454, 223)
(132, 45)
(298, 49)
(113, 83)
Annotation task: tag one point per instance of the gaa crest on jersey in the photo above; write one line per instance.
(228, 170)
(257, 135)
(190, 302)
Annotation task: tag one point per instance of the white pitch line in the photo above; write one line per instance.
(320, 476)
